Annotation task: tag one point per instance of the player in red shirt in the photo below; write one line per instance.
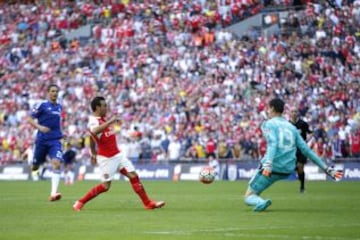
(109, 158)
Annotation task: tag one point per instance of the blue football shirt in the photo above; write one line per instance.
(48, 114)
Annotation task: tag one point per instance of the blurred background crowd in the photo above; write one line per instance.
(185, 86)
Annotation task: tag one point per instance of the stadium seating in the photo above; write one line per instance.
(174, 70)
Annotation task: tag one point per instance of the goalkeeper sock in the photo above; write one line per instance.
(253, 200)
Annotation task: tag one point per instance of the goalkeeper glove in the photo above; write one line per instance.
(266, 169)
(334, 174)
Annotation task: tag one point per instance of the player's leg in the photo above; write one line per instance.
(35, 172)
(42, 169)
(107, 168)
(40, 152)
(55, 154)
(92, 193)
(301, 174)
(257, 184)
(140, 190)
(55, 179)
(127, 169)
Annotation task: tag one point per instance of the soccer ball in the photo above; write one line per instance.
(207, 175)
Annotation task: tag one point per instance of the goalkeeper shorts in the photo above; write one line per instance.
(258, 183)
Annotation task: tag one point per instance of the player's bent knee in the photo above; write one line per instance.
(132, 174)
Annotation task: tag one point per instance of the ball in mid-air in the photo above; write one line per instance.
(207, 175)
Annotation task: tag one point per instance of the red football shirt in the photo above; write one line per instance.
(106, 140)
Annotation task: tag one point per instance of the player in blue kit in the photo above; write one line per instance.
(282, 139)
(46, 118)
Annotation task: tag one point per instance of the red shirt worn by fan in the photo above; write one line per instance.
(106, 140)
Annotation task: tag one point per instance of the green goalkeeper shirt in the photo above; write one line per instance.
(282, 138)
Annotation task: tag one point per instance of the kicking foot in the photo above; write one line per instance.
(262, 206)
(55, 197)
(153, 205)
(78, 206)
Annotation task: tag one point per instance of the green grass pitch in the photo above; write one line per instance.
(327, 211)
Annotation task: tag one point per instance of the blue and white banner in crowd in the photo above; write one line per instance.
(183, 172)
(14, 172)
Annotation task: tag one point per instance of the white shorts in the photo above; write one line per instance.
(109, 166)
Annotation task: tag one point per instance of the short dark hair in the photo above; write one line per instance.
(277, 104)
(52, 85)
(96, 102)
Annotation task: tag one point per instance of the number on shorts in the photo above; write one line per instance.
(59, 154)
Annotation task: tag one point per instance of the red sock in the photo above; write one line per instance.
(139, 189)
(93, 193)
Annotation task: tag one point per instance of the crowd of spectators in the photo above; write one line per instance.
(185, 87)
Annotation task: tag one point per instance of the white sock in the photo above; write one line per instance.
(55, 180)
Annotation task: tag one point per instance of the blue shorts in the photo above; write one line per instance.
(258, 183)
(52, 148)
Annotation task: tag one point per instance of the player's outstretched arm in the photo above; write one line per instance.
(306, 150)
(101, 128)
(335, 174)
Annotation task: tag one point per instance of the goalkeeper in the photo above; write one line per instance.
(282, 139)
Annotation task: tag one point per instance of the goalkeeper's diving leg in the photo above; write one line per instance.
(252, 196)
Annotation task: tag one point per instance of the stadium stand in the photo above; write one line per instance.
(173, 70)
